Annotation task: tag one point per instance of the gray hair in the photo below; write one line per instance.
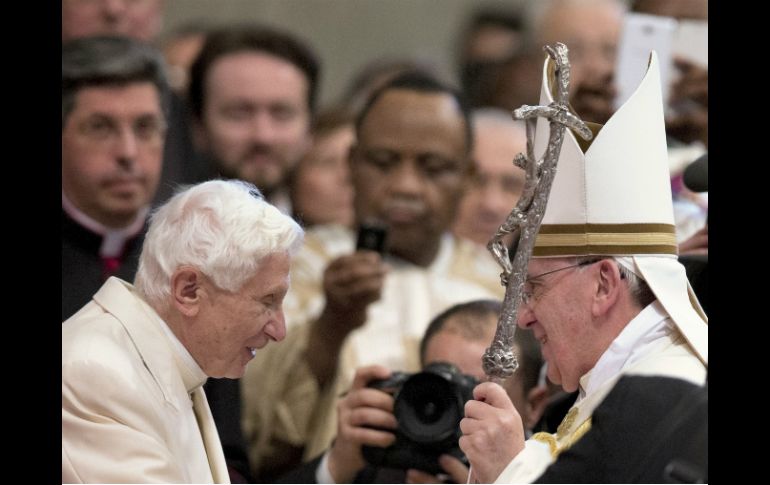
(224, 228)
(109, 61)
(640, 291)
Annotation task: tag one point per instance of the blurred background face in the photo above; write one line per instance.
(322, 192)
(409, 169)
(140, 19)
(591, 31)
(498, 183)
(450, 346)
(112, 144)
(492, 43)
(256, 117)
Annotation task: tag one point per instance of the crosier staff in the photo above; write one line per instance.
(499, 361)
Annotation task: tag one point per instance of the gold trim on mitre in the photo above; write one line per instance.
(618, 181)
(601, 239)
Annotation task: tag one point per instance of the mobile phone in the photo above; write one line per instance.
(691, 41)
(372, 236)
(642, 34)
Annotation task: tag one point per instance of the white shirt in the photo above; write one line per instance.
(113, 239)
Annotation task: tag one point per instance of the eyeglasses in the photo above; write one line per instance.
(527, 295)
(104, 130)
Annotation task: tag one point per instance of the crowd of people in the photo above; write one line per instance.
(223, 322)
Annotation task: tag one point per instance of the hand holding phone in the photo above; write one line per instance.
(372, 236)
(642, 34)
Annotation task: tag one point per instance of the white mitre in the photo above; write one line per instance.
(612, 197)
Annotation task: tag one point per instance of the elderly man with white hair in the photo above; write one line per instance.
(208, 294)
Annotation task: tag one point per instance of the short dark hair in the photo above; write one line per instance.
(109, 61)
(475, 327)
(223, 41)
(330, 120)
(422, 83)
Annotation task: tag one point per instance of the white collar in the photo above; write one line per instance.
(630, 345)
(112, 239)
(192, 374)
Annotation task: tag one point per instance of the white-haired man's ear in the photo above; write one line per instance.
(187, 290)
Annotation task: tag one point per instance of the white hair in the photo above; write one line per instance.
(224, 228)
(640, 291)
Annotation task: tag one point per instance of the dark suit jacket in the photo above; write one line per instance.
(82, 272)
(555, 410)
(304, 473)
(649, 429)
(224, 397)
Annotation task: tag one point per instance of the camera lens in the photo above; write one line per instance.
(428, 408)
(429, 412)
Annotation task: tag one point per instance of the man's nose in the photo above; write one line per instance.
(263, 128)
(406, 178)
(276, 328)
(600, 64)
(525, 317)
(495, 201)
(126, 146)
(113, 9)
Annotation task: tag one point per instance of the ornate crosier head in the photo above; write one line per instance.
(523, 222)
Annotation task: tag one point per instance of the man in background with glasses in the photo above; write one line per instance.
(606, 298)
(114, 94)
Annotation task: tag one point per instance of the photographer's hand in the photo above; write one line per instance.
(362, 409)
(493, 432)
(351, 283)
(456, 470)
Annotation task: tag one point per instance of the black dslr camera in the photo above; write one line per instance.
(428, 408)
